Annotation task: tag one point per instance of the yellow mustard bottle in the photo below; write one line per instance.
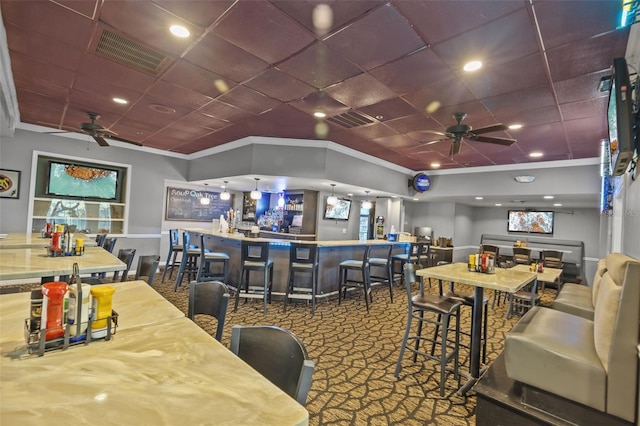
(101, 308)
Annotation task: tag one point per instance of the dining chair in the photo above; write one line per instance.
(175, 248)
(277, 354)
(303, 259)
(523, 300)
(380, 259)
(189, 262)
(126, 256)
(210, 298)
(362, 282)
(521, 256)
(208, 262)
(147, 267)
(254, 256)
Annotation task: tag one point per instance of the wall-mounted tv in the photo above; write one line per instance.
(620, 118)
(530, 222)
(338, 211)
(80, 181)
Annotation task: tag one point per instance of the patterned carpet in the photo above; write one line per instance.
(355, 353)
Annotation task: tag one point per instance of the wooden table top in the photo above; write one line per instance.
(19, 240)
(508, 280)
(548, 275)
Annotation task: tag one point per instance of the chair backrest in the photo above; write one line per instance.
(126, 256)
(552, 259)
(147, 267)
(277, 354)
(174, 237)
(210, 298)
(100, 238)
(381, 251)
(494, 250)
(254, 251)
(410, 278)
(303, 253)
(110, 243)
(521, 255)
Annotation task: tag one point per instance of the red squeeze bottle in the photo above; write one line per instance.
(55, 241)
(54, 292)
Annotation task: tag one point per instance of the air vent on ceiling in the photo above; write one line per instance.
(130, 53)
(350, 119)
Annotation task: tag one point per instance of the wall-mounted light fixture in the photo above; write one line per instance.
(255, 194)
(225, 195)
(332, 199)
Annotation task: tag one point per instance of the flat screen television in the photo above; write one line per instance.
(620, 118)
(338, 211)
(80, 181)
(530, 222)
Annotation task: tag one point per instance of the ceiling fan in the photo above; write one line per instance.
(98, 132)
(461, 131)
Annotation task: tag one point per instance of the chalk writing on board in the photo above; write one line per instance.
(184, 204)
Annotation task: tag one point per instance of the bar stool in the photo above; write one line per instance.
(255, 257)
(174, 249)
(189, 262)
(383, 262)
(412, 255)
(303, 258)
(444, 309)
(364, 283)
(208, 260)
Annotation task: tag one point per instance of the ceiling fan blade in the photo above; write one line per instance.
(125, 140)
(434, 132)
(106, 131)
(493, 140)
(100, 140)
(488, 129)
(455, 147)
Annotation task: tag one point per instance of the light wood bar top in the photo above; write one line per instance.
(161, 371)
(34, 263)
(19, 240)
(507, 280)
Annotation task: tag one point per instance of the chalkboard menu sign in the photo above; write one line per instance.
(184, 204)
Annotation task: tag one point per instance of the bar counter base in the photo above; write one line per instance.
(503, 401)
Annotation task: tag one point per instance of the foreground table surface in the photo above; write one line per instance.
(159, 371)
(20, 240)
(509, 280)
(34, 263)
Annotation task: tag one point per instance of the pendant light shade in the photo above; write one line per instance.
(366, 204)
(332, 199)
(255, 194)
(205, 200)
(281, 200)
(225, 195)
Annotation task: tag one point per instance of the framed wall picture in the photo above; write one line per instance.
(9, 184)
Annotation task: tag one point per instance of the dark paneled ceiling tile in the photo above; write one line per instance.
(378, 37)
(248, 99)
(498, 78)
(319, 101)
(26, 68)
(533, 117)
(279, 85)
(87, 8)
(584, 109)
(413, 72)
(596, 126)
(477, 115)
(360, 91)
(374, 130)
(105, 91)
(263, 30)
(202, 81)
(56, 53)
(158, 112)
(96, 103)
(587, 56)
(396, 141)
(49, 19)
(223, 111)
(102, 69)
(43, 101)
(132, 129)
(165, 143)
(42, 87)
(502, 40)
(179, 95)
(40, 116)
(319, 66)
(520, 101)
(197, 119)
(186, 133)
(580, 88)
(565, 22)
(342, 11)
(543, 134)
(201, 13)
(413, 123)
(148, 24)
(228, 134)
(441, 94)
(389, 109)
(440, 20)
(218, 55)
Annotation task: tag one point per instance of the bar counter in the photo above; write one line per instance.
(331, 253)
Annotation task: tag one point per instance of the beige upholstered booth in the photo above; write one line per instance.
(579, 299)
(591, 362)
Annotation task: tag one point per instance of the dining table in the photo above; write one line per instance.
(505, 280)
(159, 367)
(21, 263)
(20, 240)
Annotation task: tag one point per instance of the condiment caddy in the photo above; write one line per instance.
(482, 262)
(63, 243)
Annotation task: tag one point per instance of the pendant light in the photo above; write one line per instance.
(205, 200)
(224, 195)
(281, 200)
(332, 199)
(367, 204)
(255, 194)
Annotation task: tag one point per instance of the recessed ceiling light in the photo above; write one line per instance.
(535, 154)
(319, 114)
(472, 66)
(557, 204)
(479, 198)
(179, 31)
(379, 117)
(548, 197)
(524, 179)
(498, 205)
(435, 165)
(515, 126)
(120, 101)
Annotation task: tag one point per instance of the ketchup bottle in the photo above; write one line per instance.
(54, 304)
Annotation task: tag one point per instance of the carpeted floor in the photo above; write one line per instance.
(355, 353)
